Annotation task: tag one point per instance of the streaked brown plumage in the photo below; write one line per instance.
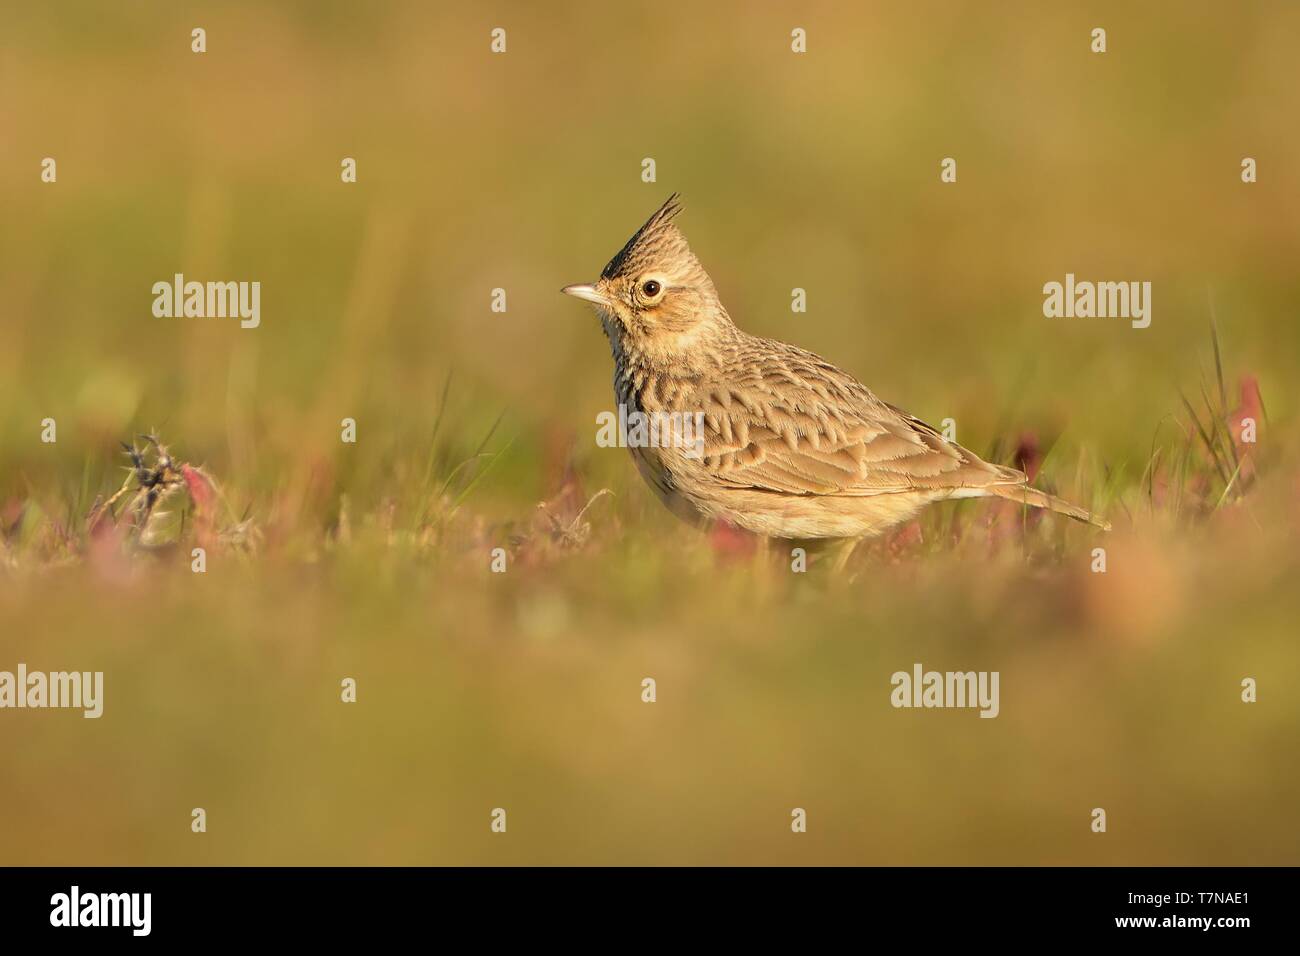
(793, 447)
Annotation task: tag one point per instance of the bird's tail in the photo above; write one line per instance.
(1041, 499)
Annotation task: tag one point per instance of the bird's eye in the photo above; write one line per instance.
(651, 288)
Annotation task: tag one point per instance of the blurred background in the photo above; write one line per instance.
(476, 430)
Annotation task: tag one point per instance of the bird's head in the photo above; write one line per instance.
(654, 295)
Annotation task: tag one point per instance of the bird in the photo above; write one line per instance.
(792, 446)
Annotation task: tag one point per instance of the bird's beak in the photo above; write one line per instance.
(587, 292)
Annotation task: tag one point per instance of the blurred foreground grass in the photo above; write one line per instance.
(522, 690)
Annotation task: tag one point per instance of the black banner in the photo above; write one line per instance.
(179, 905)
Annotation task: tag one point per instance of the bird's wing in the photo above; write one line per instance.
(787, 421)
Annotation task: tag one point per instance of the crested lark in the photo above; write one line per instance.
(793, 447)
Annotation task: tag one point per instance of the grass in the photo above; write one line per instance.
(522, 689)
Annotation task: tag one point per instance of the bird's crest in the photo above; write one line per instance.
(657, 239)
